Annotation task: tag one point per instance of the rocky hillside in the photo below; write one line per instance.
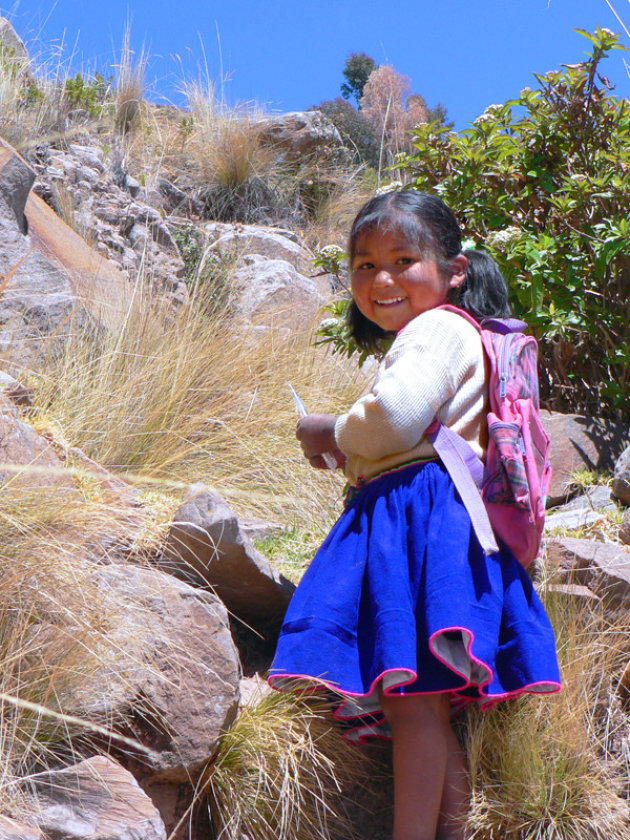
(158, 292)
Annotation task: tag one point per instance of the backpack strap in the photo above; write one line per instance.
(466, 471)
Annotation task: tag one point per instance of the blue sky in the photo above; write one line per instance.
(288, 54)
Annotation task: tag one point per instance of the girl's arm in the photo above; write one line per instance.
(316, 433)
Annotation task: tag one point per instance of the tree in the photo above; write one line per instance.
(392, 110)
(356, 71)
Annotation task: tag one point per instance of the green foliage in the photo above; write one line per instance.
(90, 94)
(542, 182)
(356, 72)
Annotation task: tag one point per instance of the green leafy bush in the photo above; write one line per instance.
(542, 182)
(90, 95)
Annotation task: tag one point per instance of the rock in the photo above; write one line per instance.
(303, 135)
(580, 443)
(604, 568)
(272, 243)
(12, 48)
(273, 293)
(583, 510)
(13, 830)
(621, 480)
(624, 528)
(96, 798)
(253, 690)
(171, 663)
(27, 457)
(54, 281)
(574, 590)
(207, 547)
(18, 394)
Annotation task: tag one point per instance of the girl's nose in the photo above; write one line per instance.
(383, 277)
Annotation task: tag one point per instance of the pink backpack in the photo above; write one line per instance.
(505, 497)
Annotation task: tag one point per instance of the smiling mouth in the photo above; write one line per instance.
(389, 301)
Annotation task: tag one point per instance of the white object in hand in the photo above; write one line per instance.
(329, 458)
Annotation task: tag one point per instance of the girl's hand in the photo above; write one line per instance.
(316, 433)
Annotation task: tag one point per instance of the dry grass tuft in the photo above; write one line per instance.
(130, 86)
(283, 771)
(544, 769)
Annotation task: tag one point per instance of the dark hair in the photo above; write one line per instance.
(430, 225)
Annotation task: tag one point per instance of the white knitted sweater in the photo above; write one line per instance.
(434, 367)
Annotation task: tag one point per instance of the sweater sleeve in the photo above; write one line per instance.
(423, 370)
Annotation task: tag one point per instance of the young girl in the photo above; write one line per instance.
(400, 612)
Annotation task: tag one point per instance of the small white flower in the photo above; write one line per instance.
(391, 186)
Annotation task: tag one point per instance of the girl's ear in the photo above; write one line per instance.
(459, 266)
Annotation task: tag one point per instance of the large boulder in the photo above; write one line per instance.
(208, 547)
(170, 666)
(303, 136)
(269, 242)
(96, 798)
(273, 293)
(604, 568)
(580, 443)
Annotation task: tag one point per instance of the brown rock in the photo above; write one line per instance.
(171, 663)
(207, 547)
(96, 798)
(621, 481)
(13, 830)
(302, 135)
(580, 443)
(53, 281)
(624, 528)
(604, 568)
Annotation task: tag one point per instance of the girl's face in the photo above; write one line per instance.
(392, 282)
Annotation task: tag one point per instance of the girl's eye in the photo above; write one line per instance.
(405, 260)
(363, 266)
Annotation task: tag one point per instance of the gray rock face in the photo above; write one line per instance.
(583, 510)
(269, 242)
(109, 209)
(273, 293)
(580, 443)
(14, 830)
(604, 568)
(621, 481)
(12, 47)
(96, 799)
(173, 662)
(303, 135)
(208, 547)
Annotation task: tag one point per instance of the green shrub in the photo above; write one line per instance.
(90, 94)
(542, 182)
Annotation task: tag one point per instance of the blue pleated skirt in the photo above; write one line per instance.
(401, 595)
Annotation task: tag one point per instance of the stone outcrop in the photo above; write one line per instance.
(208, 547)
(12, 48)
(172, 665)
(107, 205)
(96, 798)
(53, 280)
(580, 443)
(303, 135)
(604, 568)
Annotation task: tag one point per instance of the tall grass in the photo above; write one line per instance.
(183, 397)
